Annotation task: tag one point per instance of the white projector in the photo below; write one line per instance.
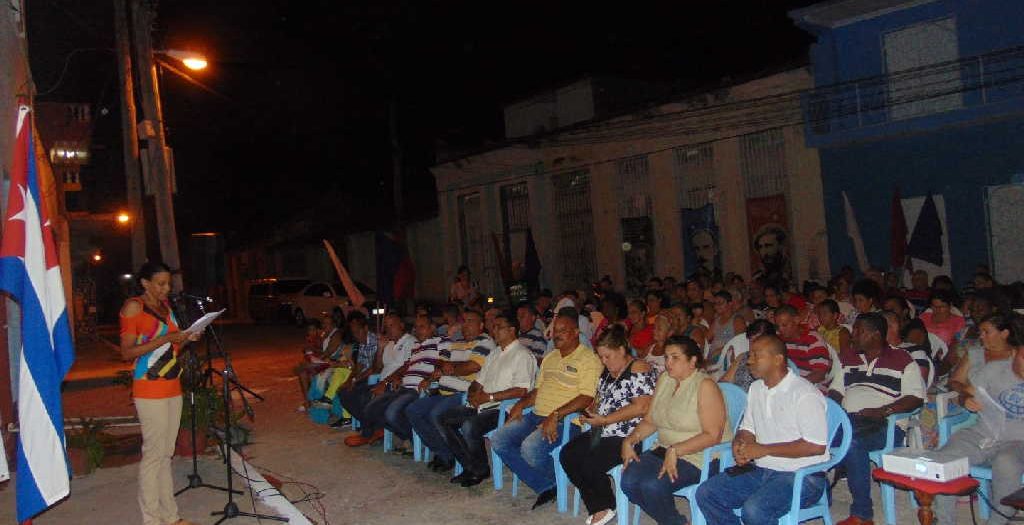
(925, 464)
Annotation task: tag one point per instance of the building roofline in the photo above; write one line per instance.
(838, 13)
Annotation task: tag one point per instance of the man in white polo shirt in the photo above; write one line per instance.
(506, 374)
(784, 429)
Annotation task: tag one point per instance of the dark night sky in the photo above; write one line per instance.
(309, 83)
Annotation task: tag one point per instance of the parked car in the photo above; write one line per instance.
(266, 298)
(320, 298)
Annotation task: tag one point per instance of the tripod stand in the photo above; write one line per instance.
(228, 378)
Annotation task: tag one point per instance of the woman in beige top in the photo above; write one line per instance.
(688, 413)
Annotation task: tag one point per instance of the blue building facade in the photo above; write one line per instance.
(924, 97)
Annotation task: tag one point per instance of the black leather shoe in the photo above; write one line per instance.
(433, 464)
(461, 477)
(472, 481)
(444, 466)
(544, 498)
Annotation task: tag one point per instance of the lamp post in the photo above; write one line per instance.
(134, 19)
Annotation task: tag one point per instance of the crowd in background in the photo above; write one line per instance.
(625, 368)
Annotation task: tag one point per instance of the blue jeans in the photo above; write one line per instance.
(425, 416)
(763, 495)
(641, 484)
(522, 446)
(388, 410)
(858, 469)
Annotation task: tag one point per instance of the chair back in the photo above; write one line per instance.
(735, 404)
(837, 420)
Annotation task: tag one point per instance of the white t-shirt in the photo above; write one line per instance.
(395, 354)
(512, 367)
(794, 409)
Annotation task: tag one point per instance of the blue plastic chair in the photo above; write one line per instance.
(496, 463)
(561, 478)
(875, 456)
(735, 404)
(837, 419)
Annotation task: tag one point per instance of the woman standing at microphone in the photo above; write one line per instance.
(151, 337)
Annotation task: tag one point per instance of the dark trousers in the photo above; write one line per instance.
(587, 463)
(464, 431)
(388, 409)
(355, 400)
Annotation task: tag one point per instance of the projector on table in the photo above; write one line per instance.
(925, 464)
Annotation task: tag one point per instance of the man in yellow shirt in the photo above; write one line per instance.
(566, 383)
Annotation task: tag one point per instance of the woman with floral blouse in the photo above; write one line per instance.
(623, 396)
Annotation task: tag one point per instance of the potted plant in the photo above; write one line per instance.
(85, 446)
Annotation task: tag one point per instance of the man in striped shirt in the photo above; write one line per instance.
(875, 383)
(531, 331)
(806, 349)
(394, 393)
(460, 361)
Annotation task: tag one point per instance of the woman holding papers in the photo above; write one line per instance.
(151, 337)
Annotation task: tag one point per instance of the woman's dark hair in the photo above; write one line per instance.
(913, 324)
(868, 289)
(615, 337)
(758, 328)
(724, 295)
(689, 346)
(642, 305)
(1011, 322)
(656, 295)
(944, 280)
(945, 296)
(831, 305)
(617, 301)
(461, 269)
(148, 270)
(773, 287)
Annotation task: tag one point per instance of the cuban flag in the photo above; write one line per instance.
(29, 271)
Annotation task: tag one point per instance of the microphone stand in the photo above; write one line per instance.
(229, 379)
(195, 481)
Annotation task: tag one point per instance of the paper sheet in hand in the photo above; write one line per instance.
(992, 418)
(204, 321)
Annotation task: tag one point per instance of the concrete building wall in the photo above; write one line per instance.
(599, 148)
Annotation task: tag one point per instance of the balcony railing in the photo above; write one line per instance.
(974, 82)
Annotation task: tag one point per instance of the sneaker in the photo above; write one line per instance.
(301, 409)
(342, 422)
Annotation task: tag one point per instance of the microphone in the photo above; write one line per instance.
(201, 299)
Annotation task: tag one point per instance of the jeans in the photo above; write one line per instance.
(355, 400)
(425, 416)
(1007, 461)
(464, 431)
(642, 486)
(858, 469)
(522, 446)
(587, 467)
(388, 410)
(764, 496)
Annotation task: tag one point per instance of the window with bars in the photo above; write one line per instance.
(763, 163)
(575, 222)
(932, 90)
(634, 196)
(695, 175)
(515, 203)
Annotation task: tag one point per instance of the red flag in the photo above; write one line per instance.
(898, 235)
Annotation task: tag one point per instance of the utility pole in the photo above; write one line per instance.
(130, 134)
(142, 20)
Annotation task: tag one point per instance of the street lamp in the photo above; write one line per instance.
(97, 257)
(123, 218)
(193, 61)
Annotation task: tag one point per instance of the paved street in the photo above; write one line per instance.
(359, 485)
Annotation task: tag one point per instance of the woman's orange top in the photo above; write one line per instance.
(155, 374)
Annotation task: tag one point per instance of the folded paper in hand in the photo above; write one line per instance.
(204, 321)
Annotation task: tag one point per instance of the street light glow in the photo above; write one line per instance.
(195, 63)
(192, 60)
(123, 218)
(97, 257)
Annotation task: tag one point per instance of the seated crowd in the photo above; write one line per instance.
(641, 383)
